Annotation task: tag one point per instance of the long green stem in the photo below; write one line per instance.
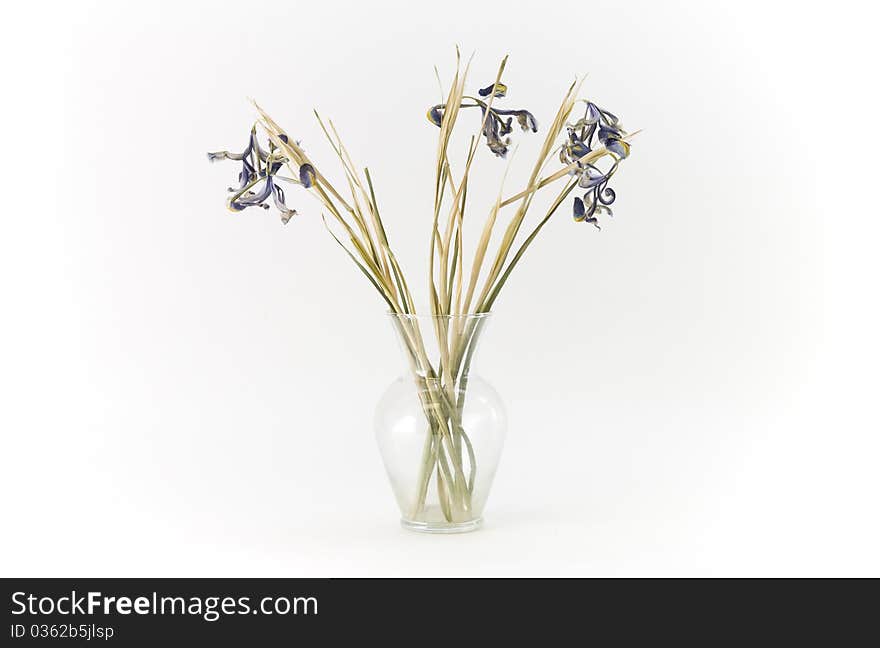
(493, 295)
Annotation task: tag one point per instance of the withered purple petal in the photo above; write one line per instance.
(307, 175)
(435, 116)
(500, 90)
(579, 209)
(592, 113)
(579, 149)
(618, 147)
(590, 177)
(606, 133)
(525, 119)
(286, 212)
(256, 199)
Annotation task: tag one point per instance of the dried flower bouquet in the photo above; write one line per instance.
(581, 151)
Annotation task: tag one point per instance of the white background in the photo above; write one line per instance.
(186, 391)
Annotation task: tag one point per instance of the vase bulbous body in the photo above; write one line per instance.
(440, 427)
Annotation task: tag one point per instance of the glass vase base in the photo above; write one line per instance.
(445, 527)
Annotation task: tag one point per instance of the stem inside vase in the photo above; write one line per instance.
(440, 427)
(448, 455)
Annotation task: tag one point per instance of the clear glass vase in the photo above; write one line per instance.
(440, 427)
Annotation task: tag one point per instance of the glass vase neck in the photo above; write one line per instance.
(439, 348)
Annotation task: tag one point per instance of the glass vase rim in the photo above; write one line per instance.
(416, 317)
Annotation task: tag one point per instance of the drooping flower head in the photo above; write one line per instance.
(599, 125)
(258, 178)
(495, 126)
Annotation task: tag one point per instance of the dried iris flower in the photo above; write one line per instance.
(495, 127)
(258, 178)
(596, 124)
